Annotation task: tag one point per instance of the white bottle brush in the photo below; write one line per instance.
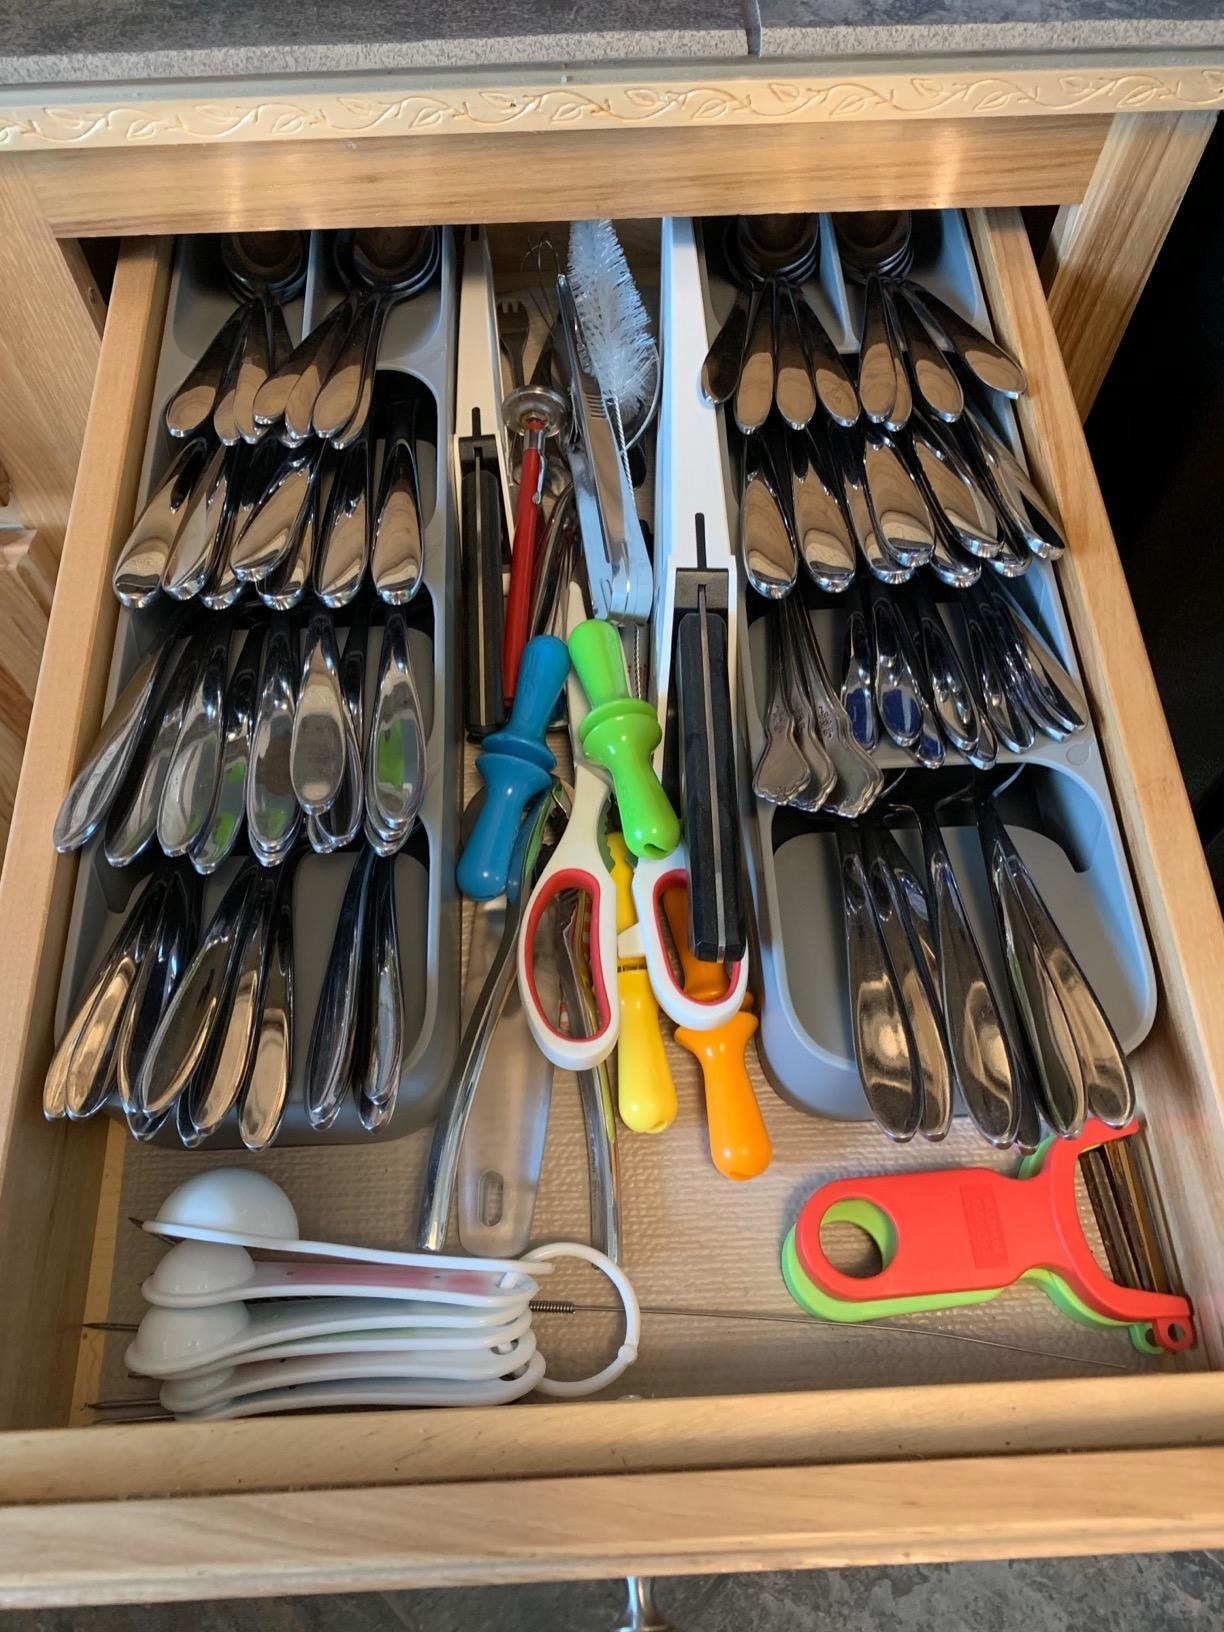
(615, 326)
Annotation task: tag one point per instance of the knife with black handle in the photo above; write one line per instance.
(717, 930)
(481, 532)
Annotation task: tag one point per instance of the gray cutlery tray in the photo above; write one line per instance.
(1077, 857)
(418, 340)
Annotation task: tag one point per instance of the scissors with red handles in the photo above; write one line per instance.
(580, 863)
(647, 939)
(577, 863)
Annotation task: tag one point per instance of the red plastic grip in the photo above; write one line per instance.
(527, 521)
(971, 1229)
(549, 888)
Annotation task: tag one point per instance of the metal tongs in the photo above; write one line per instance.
(618, 566)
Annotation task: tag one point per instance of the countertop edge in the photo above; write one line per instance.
(71, 75)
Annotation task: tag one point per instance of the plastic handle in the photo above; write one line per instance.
(703, 980)
(574, 868)
(711, 813)
(622, 878)
(646, 1094)
(510, 786)
(621, 733)
(481, 532)
(541, 675)
(599, 660)
(740, 1148)
(522, 567)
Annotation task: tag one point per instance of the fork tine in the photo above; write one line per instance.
(514, 331)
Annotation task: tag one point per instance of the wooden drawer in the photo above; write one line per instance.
(758, 1479)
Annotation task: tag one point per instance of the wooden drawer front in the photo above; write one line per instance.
(707, 169)
(563, 1529)
(754, 1480)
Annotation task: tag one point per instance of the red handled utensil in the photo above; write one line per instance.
(536, 413)
(967, 1230)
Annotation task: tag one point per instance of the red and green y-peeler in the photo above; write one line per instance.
(963, 1235)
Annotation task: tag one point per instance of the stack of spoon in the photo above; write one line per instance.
(811, 758)
(272, 483)
(263, 271)
(904, 676)
(325, 388)
(972, 673)
(927, 1020)
(952, 499)
(921, 477)
(224, 1337)
(198, 746)
(366, 1326)
(274, 521)
(773, 350)
(187, 1030)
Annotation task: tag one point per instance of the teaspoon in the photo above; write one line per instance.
(781, 771)
(191, 781)
(395, 752)
(100, 779)
(272, 811)
(317, 748)
(822, 532)
(329, 1066)
(132, 822)
(137, 574)
(267, 1086)
(182, 1043)
(721, 370)
(344, 540)
(397, 556)
(219, 833)
(766, 545)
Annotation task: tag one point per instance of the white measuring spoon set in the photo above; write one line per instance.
(370, 1327)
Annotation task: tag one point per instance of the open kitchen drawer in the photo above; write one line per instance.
(754, 1452)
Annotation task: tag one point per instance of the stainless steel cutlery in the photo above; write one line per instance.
(931, 1025)
(203, 744)
(969, 673)
(195, 1030)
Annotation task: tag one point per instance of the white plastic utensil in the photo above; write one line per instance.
(237, 1207)
(220, 1213)
(265, 1376)
(347, 1395)
(197, 1274)
(182, 1342)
